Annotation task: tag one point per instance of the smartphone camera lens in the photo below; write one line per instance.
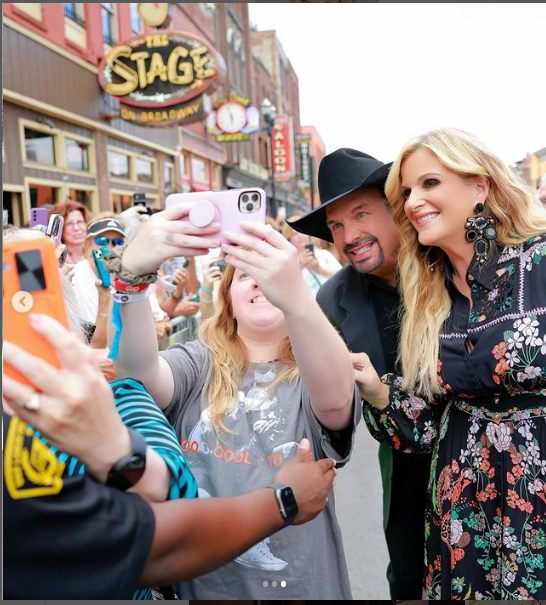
(245, 198)
(250, 206)
(255, 197)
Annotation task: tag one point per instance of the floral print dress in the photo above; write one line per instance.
(485, 527)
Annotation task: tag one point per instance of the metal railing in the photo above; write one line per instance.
(184, 329)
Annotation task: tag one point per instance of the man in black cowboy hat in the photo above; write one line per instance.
(362, 302)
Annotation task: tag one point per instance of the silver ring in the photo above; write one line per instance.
(33, 402)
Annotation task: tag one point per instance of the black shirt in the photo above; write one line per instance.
(67, 536)
(386, 301)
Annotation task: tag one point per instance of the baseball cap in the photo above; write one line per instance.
(104, 224)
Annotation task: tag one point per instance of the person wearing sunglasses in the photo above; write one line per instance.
(92, 298)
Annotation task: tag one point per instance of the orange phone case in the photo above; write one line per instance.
(47, 299)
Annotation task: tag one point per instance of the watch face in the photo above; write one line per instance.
(289, 501)
(231, 117)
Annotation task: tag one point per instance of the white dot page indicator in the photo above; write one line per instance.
(274, 584)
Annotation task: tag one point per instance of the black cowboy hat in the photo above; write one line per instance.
(340, 173)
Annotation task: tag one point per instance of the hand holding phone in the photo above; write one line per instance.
(38, 216)
(54, 228)
(165, 235)
(98, 254)
(229, 208)
(274, 266)
(221, 264)
(31, 280)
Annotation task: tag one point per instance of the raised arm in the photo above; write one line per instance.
(322, 357)
(165, 235)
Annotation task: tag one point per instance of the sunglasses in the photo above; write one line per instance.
(104, 240)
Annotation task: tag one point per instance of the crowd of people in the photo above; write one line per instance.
(413, 296)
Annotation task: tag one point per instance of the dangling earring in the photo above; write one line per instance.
(481, 231)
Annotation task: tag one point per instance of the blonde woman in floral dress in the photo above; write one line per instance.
(472, 386)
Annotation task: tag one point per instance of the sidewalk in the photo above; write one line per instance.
(359, 510)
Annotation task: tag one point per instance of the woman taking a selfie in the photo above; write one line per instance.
(268, 370)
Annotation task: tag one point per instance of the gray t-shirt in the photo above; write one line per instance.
(305, 561)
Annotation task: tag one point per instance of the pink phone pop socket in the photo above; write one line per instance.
(202, 214)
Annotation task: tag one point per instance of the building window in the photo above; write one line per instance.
(40, 147)
(80, 195)
(135, 18)
(199, 170)
(144, 170)
(76, 154)
(121, 201)
(75, 13)
(108, 19)
(185, 165)
(118, 165)
(168, 176)
(43, 194)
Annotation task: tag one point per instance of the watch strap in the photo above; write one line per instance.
(128, 470)
(286, 515)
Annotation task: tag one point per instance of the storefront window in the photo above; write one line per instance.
(40, 147)
(43, 194)
(168, 175)
(121, 201)
(144, 171)
(77, 154)
(118, 165)
(80, 195)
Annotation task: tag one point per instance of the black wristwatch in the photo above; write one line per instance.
(128, 470)
(286, 501)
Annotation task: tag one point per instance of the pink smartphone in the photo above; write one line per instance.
(228, 208)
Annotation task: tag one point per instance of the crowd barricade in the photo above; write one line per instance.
(184, 329)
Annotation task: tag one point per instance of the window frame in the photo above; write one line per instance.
(36, 126)
(73, 14)
(170, 166)
(59, 149)
(92, 189)
(153, 162)
(131, 16)
(92, 170)
(153, 198)
(132, 180)
(119, 179)
(113, 24)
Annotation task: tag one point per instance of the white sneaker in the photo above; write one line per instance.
(260, 557)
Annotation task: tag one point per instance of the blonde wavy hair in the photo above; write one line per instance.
(230, 359)
(517, 213)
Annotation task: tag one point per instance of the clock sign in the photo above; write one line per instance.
(154, 14)
(231, 117)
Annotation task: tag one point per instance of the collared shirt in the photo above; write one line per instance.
(494, 345)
